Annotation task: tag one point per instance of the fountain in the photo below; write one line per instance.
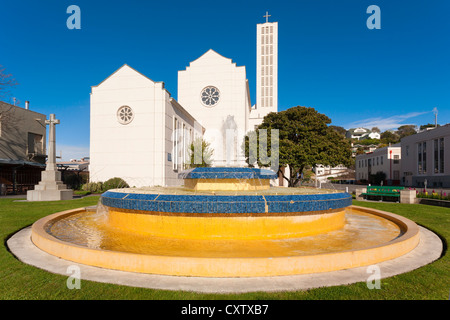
(226, 222)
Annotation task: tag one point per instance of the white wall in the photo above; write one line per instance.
(212, 69)
(192, 129)
(138, 151)
(435, 178)
(381, 160)
(133, 151)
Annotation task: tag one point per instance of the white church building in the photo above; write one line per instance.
(138, 132)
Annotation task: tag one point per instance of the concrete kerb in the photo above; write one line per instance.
(429, 249)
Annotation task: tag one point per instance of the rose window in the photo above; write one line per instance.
(210, 96)
(125, 115)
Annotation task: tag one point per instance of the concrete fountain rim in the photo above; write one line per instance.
(428, 249)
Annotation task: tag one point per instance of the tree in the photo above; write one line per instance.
(389, 137)
(6, 82)
(360, 150)
(7, 118)
(429, 125)
(368, 141)
(200, 153)
(340, 130)
(305, 139)
(376, 129)
(406, 130)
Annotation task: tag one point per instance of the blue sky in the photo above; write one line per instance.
(328, 58)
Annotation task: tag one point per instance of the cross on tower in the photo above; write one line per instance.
(52, 120)
(267, 16)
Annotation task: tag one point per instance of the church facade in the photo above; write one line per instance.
(142, 135)
(220, 101)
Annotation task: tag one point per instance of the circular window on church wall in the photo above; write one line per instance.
(210, 96)
(125, 115)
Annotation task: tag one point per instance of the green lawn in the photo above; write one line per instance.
(20, 281)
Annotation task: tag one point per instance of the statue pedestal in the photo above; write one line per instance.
(408, 196)
(50, 188)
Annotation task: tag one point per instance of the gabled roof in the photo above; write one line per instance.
(127, 66)
(8, 106)
(211, 52)
(359, 130)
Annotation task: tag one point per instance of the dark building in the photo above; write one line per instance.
(22, 148)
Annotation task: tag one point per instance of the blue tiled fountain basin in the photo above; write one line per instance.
(172, 203)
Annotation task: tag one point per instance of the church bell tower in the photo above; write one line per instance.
(267, 67)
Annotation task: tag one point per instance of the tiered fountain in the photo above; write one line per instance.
(226, 222)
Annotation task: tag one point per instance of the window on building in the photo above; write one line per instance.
(185, 144)
(396, 159)
(35, 143)
(422, 157)
(436, 155)
(175, 145)
(419, 158)
(396, 175)
(381, 160)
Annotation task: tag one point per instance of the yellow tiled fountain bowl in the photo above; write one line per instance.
(219, 233)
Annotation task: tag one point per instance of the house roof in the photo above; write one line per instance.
(22, 162)
(352, 130)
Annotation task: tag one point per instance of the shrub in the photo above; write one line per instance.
(93, 187)
(74, 180)
(114, 183)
